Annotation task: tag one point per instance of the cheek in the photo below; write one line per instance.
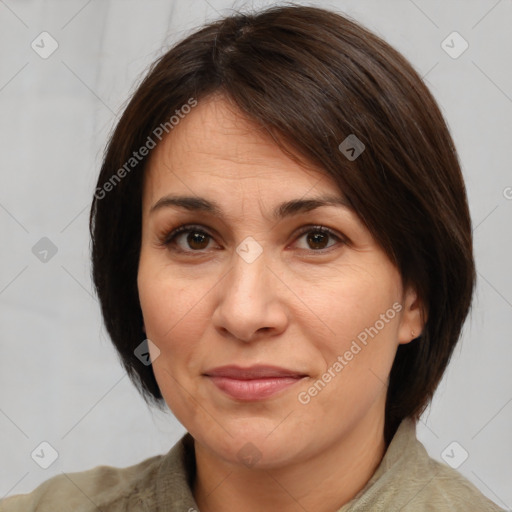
(351, 302)
(355, 330)
(168, 301)
(174, 315)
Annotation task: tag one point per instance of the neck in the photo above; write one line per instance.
(323, 483)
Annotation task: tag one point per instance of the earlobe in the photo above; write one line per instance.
(413, 318)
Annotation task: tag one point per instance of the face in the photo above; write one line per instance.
(308, 291)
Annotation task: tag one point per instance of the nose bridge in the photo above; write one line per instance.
(249, 269)
(248, 301)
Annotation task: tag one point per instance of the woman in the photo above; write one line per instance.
(282, 251)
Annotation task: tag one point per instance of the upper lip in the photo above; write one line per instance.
(252, 372)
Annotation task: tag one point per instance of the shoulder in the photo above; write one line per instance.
(441, 487)
(410, 480)
(102, 487)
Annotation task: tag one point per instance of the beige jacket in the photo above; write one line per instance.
(406, 480)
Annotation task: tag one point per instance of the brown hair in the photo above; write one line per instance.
(309, 77)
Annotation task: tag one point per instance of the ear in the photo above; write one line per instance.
(413, 319)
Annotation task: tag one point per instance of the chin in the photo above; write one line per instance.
(253, 443)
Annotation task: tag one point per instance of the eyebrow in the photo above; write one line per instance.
(286, 209)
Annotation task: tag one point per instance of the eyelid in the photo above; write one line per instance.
(320, 227)
(170, 235)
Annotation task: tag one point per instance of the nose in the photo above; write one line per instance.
(250, 302)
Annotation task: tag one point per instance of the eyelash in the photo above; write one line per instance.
(169, 238)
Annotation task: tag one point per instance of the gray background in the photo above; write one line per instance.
(61, 381)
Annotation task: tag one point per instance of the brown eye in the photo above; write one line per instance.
(196, 240)
(317, 238)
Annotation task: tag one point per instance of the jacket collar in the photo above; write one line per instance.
(175, 477)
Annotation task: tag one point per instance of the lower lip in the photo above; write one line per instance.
(254, 389)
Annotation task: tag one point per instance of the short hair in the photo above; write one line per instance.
(310, 78)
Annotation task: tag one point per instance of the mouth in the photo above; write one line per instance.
(253, 383)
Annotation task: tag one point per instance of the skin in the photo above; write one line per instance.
(298, 306)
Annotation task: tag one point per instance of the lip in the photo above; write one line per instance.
(252, 372)
(253, 383)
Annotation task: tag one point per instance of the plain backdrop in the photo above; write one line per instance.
(61, 381)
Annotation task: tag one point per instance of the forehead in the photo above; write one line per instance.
(216, 148)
